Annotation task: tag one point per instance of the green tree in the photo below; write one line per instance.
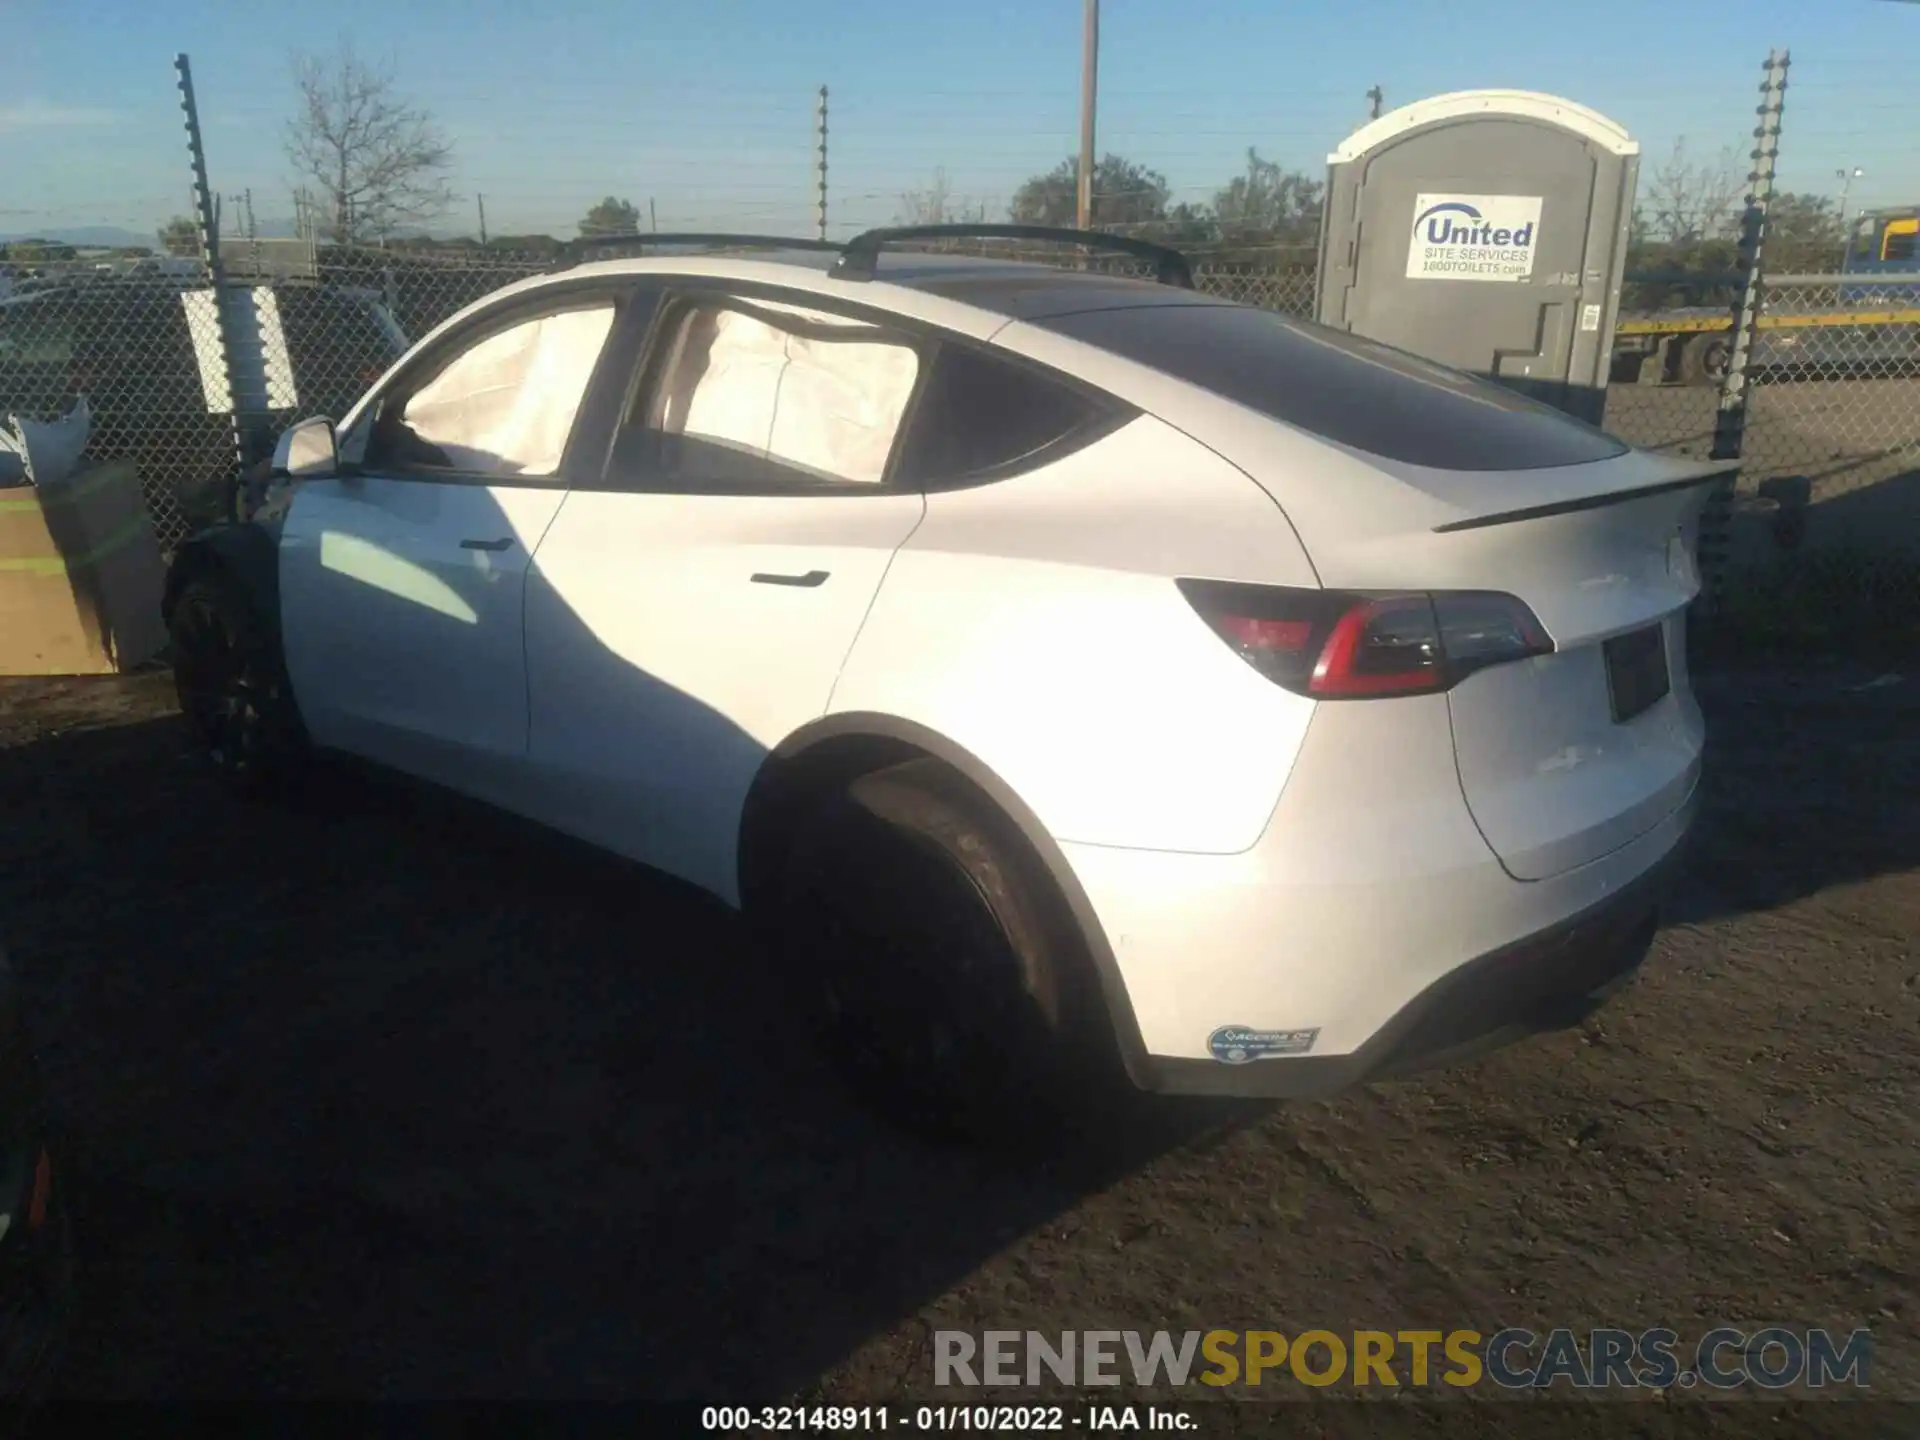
(1185, 224)
(1804, 234)
(611, 217)
(1269, 205)
(1126, 196)
(179, 236)
(38, 252)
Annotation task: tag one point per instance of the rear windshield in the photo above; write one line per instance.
(1342, 387)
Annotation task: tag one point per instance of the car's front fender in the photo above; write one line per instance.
(248, 552)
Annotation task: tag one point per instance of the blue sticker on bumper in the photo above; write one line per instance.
(1237, 1045)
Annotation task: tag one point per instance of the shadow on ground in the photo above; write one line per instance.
(390, 1097)
(1810, 774)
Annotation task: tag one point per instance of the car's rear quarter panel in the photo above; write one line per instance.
(1034, 622)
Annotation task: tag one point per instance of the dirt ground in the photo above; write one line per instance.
(381, 1096)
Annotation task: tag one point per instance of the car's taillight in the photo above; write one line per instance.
(1343, 645)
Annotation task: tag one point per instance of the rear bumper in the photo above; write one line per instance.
(1550, 980)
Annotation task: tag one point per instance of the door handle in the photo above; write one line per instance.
(806, 581)
(486, 544)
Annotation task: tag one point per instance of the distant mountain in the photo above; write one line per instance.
(103, 236)
(114, 237)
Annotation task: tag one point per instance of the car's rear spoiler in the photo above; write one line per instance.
(1705, 473)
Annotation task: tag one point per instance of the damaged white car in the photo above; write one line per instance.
(1074, 677)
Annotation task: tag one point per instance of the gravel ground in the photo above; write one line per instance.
(381, 1096)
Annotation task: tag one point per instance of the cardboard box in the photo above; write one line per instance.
(80, 576)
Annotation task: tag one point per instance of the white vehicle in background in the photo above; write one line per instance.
(1069, 674)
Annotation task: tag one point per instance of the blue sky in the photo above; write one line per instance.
(707, 109)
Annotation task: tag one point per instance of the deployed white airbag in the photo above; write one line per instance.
(825, 397)
(507, 405)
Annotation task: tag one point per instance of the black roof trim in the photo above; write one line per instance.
(573, 251)
(860, 256)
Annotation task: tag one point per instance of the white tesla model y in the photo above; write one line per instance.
(1062, 669)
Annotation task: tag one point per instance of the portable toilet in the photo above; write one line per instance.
(1487, 230)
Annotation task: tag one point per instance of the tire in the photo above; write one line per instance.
(232, 686)
(945, 988)
(1704, 359)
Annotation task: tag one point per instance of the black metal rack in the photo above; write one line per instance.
(572, 251)
(859, 258)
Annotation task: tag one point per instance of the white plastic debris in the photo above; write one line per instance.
(44, 452)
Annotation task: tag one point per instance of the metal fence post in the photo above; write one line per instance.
(820, 139)
(1730, 421)
(209, 226)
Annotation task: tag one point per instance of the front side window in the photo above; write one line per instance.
(503, 406)
(1899, 241)
(746, 394)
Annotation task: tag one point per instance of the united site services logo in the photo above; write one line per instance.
(1473, 237)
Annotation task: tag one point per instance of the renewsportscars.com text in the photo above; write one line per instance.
(1773, 1358)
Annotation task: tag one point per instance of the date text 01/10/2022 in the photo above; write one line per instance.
(991, 1419)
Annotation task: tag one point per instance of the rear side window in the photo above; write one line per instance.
(977, 414)
(1344, 388)
(757, 394)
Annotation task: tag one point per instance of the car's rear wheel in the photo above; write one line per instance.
(232, 685)
(946, 990)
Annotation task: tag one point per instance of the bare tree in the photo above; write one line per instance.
(378, 162)
(1686, 201)
(938, 205)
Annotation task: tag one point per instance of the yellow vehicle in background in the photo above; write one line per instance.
(1866, 317)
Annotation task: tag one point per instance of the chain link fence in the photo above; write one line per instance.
(123, 336)
(1826, 520)
(1291, 292)
(1826, 525)
(1823, 530)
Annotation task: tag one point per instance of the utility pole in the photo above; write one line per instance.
(480, 202)
(820, 132)
(653, 216)
(1089, 92)
(1847, 177)
(1375, 97)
